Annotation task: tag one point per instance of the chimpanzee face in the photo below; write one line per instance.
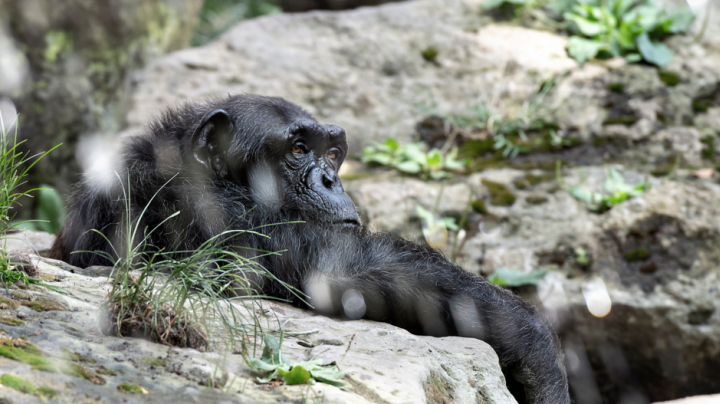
(309, 169)
(294, 169)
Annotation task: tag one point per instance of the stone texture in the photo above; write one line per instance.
(363, 69)
(28, 241)
(388, 364)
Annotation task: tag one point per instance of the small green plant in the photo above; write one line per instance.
(582, 256)
(616, 191)
(630, 28)
(412, 158)
(178, 297)
(49, 212)
(14, 168)
(276, 367)
(434, 228)
(514, 278)
(489, 132)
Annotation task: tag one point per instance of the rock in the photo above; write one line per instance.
(376, 71)
(658, 255)
(659, 258)
(94, 271)
(695, 400)
(388, 363)
(294, 6)
(28, 241)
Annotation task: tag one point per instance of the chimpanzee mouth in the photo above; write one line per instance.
(348, 223)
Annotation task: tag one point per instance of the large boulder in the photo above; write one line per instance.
(375, 71)
(388, 364)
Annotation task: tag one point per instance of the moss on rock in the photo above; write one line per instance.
(6, 303)
(637, 255)
(44, 303)
(500, 194)
(131, 389)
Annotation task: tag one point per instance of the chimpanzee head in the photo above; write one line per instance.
(289, 161)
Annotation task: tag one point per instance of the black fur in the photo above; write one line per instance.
(246, 161)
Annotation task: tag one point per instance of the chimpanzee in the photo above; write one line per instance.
(246, 161)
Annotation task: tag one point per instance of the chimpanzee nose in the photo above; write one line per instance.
(330, 180)
(325, 180)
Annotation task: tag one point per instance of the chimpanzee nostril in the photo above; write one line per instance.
(329, 180)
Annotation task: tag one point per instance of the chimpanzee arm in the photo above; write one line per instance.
(376, 277)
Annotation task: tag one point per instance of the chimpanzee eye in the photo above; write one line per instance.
(332, 154)
(299, 149)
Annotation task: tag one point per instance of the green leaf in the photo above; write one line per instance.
(50, 210)
(514, 278)
(582, 49)
(329, 375)
(682, 20)
(392, 144)
(383, 159)
(271, 352)
(585, 26)
(411, 167)
(260, 364)
(633, 57)
(425, 215)
(450, 223)
(414, 152)
(585, 195)
(298, 375)
(653, 52)
(437, 175)
(434, 158)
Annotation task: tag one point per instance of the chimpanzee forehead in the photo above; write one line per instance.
(315, 134)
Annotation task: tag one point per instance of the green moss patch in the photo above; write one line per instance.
(437, 389)
(430, 54)
(616, 87)
(131, 389)
(27, 387)
(76, 357)
(84, 373)
(20, 295)
(500, 194)
(26, 352)
(11, 321)
(44, 303)
(530, 180)
(17, 383)
(102, 370)
(479, 207)
(159, 362)
(708, 151)
(627, 120)
(536, 199)
(637, 255)
(670, 79)
(6, 303)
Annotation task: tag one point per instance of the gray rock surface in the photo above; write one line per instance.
(29, 241)
(389, 365)
(363, 69)
(658, 256)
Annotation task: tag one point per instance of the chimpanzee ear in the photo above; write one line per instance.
(211, 140)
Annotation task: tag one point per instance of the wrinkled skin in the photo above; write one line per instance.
(248, 161)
